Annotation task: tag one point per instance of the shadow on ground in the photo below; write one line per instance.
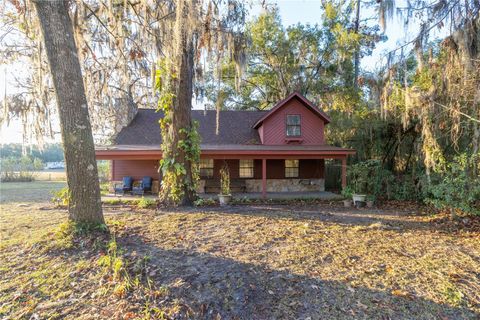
(210, 286)
(394, 220)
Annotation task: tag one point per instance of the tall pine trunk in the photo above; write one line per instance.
(82, 176)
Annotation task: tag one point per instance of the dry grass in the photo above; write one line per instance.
(28, 192)
(245, 262)
(51, 175)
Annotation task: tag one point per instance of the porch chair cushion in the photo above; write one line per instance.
(125, 186)
(143, 186)
(147, 183)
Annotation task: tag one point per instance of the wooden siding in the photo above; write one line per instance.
(273, 129)
(308, 169)
(134, 168)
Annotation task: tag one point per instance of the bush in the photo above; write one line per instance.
(19, 169)
(61, 197)
(406, 187)
(457, 188)
(347, 192)
(201, 202)
(368, 177)
(103, 171)
(104, 188)
(371, 178)
(145, 203)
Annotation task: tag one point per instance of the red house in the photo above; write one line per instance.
(279, 150)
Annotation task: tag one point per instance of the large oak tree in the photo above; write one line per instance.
(82, 177)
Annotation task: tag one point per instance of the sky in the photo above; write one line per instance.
(291, 11)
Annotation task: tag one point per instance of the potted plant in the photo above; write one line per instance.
(224, 197)
(347, 193)
(370, 200)
(359, 179)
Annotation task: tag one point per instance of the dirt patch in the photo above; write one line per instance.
(316, 261)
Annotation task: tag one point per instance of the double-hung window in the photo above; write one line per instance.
(246, 168)
(293, 125)
(291, 168)
(206, 168)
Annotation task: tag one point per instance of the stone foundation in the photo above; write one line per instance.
(278, 185)
(286, 185)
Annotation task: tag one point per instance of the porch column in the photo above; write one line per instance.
(264, 178)
(344, 172)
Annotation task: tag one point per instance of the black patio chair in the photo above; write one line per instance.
(125, 186)
(144, 186)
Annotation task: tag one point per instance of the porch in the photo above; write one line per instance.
(320, 195)
(254, 169)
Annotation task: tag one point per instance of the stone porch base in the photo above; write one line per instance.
(279, 185)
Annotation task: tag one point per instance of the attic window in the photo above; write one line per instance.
(293, 125)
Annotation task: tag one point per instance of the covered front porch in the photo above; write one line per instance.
(256, 171)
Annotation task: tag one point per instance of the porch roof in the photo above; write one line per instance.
(232, 151)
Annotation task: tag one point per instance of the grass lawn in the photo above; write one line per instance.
(302, 261)
(37, 191)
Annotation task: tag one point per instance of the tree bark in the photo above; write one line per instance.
(357, 52)
(182, 103)
(82, 176)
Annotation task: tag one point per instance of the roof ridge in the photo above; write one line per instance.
(202, 110)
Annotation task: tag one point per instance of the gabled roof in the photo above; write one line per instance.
(302, 99)
(235, 127)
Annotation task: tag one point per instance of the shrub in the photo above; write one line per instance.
(405, 187)
(200, 202)
(19, 169)
(104, 188)
(61, 197)
(347, 192)
(145, 203)
(103, 171)
(457, 188)
(368, 177)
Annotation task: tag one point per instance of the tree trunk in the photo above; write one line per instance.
(180, 112)
(82, 177)
(357, 52)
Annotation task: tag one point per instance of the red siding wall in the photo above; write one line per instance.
(308, 169)
(134, 168)
(272, 131)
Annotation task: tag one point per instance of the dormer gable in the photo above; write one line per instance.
(293, 120)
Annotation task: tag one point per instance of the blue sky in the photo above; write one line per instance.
(291, 11)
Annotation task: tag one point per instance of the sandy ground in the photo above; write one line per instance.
(257, 261)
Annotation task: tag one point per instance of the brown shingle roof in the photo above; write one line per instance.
(235, 147)
(236, 127)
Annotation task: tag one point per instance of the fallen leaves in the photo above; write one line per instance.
(340, 263)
